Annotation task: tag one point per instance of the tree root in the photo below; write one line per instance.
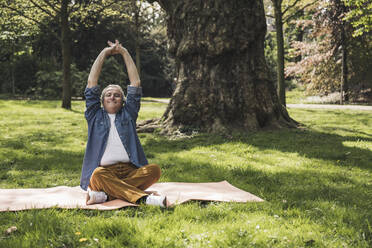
(149, 126)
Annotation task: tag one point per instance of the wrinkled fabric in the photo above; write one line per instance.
(124, 181)
(99, 127)
(74, 197)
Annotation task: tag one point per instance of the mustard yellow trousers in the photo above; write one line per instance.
(124, 180)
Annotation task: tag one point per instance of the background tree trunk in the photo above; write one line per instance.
(12, 65)
(280, 50)
(66, 56)
(222, 81)
(344, 83)
(137, 24)
(300, 36)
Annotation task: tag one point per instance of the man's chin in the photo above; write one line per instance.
(112, 109)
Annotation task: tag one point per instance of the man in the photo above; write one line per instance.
(115, 166)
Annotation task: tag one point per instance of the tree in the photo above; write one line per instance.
(332, 60)
(360, 15)
(281, 16)
(14, 42)
(222, 76)
(39, 10)
(142, 21)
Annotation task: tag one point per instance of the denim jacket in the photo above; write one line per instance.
(99, 127)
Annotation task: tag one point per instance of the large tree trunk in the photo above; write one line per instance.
(66, 56)
(222, 81)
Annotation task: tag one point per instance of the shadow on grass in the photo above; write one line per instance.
(358, 132)
(81, 112)
(316, 195)
(36, 151)
(296, 187)
(307, 143)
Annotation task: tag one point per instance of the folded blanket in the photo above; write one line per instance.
(74, 197)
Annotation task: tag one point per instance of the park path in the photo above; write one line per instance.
(305, 106)
(330, 106)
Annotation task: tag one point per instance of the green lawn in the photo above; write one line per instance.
(295, 96)
(317, 183)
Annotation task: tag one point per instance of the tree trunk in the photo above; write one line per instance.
(280, 50)
(66, 56)
(222, 81)
(299, 36)
(137, 24)
(345, 72)
(138, 49)
(12, 70)
(344, 84)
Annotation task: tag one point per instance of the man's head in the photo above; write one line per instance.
(112, 98)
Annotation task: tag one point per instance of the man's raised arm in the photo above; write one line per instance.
(117, 48)
(114, 48)
(131, 68)
(95, 71)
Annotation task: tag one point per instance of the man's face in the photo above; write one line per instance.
(112, 100)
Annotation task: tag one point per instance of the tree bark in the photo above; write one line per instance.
(300, 36)
(341, 9)
(12, 70)
(66, 56)
(280, 50)
(222, 81)
(345, 72)
(344, 83)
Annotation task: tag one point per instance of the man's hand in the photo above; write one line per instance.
(115, 48)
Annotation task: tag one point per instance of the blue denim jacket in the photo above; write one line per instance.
(99, 127)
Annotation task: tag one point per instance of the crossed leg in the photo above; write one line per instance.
(124, 180)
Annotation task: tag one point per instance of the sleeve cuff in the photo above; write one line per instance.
(134, 90)
(95, 89)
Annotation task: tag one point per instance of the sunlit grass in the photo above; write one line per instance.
(316, 180)
(295, 96)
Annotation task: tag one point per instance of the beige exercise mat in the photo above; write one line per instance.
(74, 197)
(178, 193)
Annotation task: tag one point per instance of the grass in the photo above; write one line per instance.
(317, 183)
(296, 95)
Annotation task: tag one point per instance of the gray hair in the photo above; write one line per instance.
(113, 86)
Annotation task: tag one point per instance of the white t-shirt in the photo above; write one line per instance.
(115, 151)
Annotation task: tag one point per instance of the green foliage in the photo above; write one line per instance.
(91, 26)
(24, 67)
(319, 67)
(360, 15)
(49, 84)
(113, 73)
(316, 182)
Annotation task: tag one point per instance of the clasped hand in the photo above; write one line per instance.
(114, 48)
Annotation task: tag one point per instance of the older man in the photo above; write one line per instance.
(115, 166)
